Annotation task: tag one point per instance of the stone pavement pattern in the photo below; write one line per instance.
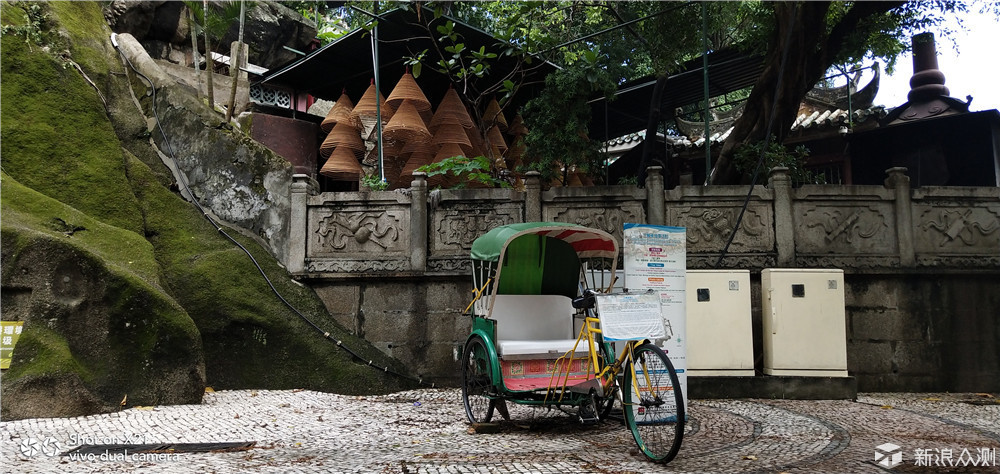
(424, 431)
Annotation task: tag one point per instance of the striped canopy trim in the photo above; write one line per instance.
(587, 242)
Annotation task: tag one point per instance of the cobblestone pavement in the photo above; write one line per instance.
(425, 431)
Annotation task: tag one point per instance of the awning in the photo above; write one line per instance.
(728, 71)
(347, 62)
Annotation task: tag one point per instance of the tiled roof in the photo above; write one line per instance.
(816, 120)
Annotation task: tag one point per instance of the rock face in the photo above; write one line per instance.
(162, 28)
(124, 288)
(96, 332)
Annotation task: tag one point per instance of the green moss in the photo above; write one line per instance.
(32, 213)
(63, 158)
(56, 138)
(90, 37)
(41, 351)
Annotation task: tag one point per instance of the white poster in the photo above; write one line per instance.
(656, 258)
(626, 317)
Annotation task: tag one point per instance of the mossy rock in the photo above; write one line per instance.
(97, 326)
(126, 289)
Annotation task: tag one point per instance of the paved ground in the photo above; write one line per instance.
(425, 431)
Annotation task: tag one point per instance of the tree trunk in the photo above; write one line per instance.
(235, 61)
(194, 52)
(209, 62)
(769, 98)
(800, 28)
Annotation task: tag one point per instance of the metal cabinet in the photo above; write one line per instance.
(804, 322)
(719, 327)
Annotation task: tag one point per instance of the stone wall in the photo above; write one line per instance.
(922, 265)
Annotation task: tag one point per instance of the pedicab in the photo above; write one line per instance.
(537, 337)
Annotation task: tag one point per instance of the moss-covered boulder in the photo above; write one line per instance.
(125, 288)
(98, 327)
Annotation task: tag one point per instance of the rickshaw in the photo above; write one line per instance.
(537, 338)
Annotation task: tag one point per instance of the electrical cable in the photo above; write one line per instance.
(184, 186)
(767, 140)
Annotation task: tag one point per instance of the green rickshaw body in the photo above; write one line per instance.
(534, 258)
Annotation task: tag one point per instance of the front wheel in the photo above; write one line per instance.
(654, 406)
(477, 382)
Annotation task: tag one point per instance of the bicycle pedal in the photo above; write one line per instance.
(588, 412)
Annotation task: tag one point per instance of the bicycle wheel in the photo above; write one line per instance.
(654, 407)
(477, 382)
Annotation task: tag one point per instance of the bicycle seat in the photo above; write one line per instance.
(586, 301)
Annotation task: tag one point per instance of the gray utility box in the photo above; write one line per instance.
(804, 322)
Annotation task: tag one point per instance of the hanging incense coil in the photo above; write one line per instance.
(407, 89)
(416, 160)
(340, 112)
(451, 107)
(365, 112)
(391, 169)
(390, 151)
(517, 128)
(495, 138)
(342, 166)
(478, 142)
(406, 124)
(415, 146)
(453, 133)
(494, 116)
(343, 135)
(448, 150)
(366, 106)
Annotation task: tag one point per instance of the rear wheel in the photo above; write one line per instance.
(654, 407)
(477, 382)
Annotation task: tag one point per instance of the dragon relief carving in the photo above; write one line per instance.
(610, 221)
(712, 223)
(836, 223)
(462, 230)
(956, 225)
(337, 229)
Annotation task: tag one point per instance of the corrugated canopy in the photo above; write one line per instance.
(346, 63)
(586, 242)
(728, 71)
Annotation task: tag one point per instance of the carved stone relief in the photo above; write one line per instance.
(450, 265)
(958, 229)
(352, 232)
(708, 228)
(849, 228)
(610, 220)
(455, 229)
(356, 266)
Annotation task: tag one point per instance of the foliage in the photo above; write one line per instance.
(476, 169)
(36, 23)
(558, 119)
(776, 155)
(374, 182)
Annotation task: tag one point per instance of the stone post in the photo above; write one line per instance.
(655, 208)
(784, 223)
(298, 225)
(418, 222)
(532, 196)
(900, 183)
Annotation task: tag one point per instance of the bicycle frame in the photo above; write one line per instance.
(606, 375)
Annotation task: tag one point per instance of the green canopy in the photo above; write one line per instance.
(541, 258)
(585, 241)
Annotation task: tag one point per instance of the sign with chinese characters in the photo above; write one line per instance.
(630, 316)
(655, 258)
(10, 331)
